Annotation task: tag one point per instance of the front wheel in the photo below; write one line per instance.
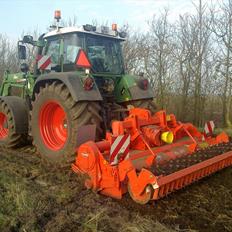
(13, 122)
(55, 121)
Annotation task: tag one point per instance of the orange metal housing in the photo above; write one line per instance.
(136, 174)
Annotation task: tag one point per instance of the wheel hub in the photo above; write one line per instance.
(53, 125)
(3, 126)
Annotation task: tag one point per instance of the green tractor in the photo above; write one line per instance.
(76, 87)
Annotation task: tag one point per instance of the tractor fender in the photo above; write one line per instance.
(138, 93)
(20, 112)
(73, 82)
(128, 89)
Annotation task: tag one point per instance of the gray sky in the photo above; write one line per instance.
(25, 15)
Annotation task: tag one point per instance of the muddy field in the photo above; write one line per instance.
(35, 197)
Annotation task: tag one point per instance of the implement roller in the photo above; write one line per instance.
(150, 156)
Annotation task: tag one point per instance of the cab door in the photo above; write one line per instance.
(54, 50)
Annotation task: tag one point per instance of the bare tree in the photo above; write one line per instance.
(158, 57)
(222, 29)
(8, 56)
(183, 53)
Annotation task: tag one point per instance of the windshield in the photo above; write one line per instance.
(104, 54)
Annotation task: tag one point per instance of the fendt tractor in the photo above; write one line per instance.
(77, 98)
(78, 79)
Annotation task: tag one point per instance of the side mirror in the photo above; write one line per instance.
(28, 39)
(22, 52)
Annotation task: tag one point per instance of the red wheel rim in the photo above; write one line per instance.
(53, 125)
(3, 126)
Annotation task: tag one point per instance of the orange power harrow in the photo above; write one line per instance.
(150, 156)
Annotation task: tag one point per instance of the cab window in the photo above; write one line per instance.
(53, 50)
(72, 45)
(105, 54)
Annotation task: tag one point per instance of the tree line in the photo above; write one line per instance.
(188, 62)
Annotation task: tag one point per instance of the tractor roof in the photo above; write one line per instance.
(88, 29)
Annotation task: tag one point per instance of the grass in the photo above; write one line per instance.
(92, 224)
(140, 224)
(15, 200)
(96, 223)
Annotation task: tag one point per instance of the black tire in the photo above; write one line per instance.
(13, 139)
(77, 114)
(144, 103)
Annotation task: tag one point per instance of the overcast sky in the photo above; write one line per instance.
(17, 16)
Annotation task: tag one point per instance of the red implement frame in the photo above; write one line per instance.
(184, 177)
(134, 174)
(137, 174)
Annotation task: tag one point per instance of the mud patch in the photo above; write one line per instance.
(35, 197)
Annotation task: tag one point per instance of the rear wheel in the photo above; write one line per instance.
(9, 135)
(55, 121)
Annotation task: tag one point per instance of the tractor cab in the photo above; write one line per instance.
(102, 48)
(88, 52)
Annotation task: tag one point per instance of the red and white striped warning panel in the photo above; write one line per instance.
(119, 149)
(44, 62)
(209, 127)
